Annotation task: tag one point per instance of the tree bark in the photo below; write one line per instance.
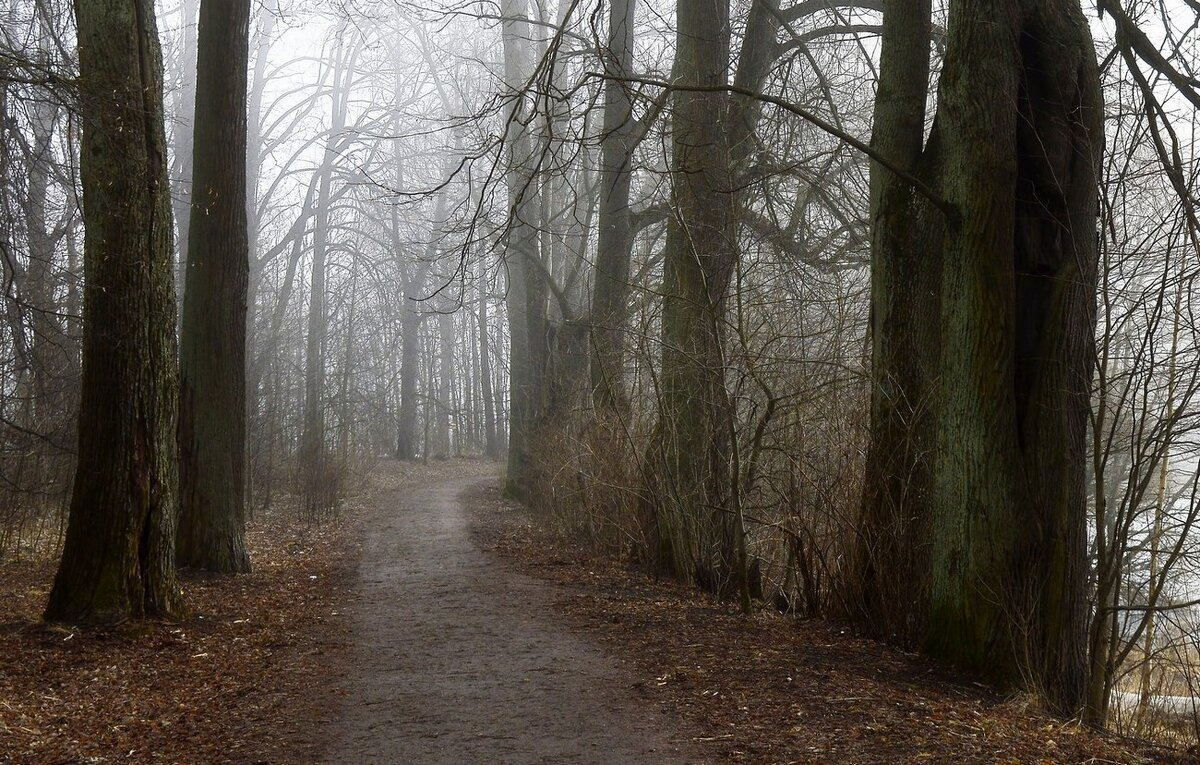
(692, 523)
(889, 578)
(1004, 504)
(212, 352)
(119, 555)
(526, 296)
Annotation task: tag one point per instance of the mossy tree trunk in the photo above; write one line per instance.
(1009, 528)
(212, 354)
(119, 557)
(1015, 152)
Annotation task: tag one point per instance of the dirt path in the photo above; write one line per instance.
(457, 659)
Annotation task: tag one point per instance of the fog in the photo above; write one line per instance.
(661, 281)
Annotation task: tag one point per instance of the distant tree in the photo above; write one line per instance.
(182, 132)
(526, 296)
(212, 407)
(119, 555)
(610, 290)
(317, 475)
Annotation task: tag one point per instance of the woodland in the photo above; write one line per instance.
(375, 374)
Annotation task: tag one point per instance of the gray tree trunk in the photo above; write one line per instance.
(181, 137)
(610, 285)
(315, 479)
(526, 296)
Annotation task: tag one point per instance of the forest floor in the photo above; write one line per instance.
(435, 623)
(770, 689)
(245, 678)
(234, 682)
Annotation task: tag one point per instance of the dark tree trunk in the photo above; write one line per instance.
(889, 577)
(1004, 505)
(119, 557)
(212, 351)
(694, 532)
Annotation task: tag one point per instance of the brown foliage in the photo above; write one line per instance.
(233, 682)
(772, 689)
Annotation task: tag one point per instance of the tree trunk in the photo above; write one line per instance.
(442, 446)
(410, 358)
(491, 448)
(345, 408)
(212, 348)
(182, 133)
(48, 343)
(610, 286)
(119, 556)
(889, 577)
(693, 528)
(1004, 504)
(526, 296)
(314, 454)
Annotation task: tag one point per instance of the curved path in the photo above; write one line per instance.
(457, 659)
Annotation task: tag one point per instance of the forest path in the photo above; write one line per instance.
(457, 659)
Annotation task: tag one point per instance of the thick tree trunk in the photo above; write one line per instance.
(1003, 504)
(212, 352)
(693, 525)
(119, 557)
